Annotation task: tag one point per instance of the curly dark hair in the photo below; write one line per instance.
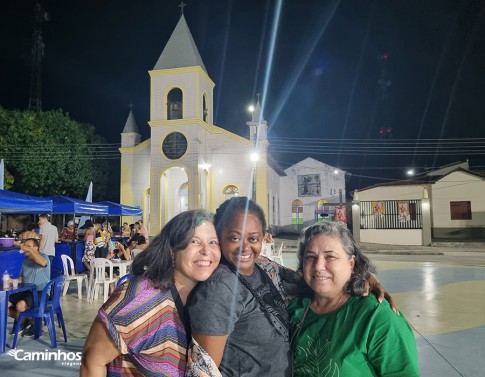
(156, 261)
(231, 207)
(363, 267)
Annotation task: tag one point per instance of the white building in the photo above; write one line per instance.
(444, 204)
(189, 162)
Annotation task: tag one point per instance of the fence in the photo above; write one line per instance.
(391, 214)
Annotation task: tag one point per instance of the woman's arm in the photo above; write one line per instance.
(99, 350)
(213, 345)
(125, 252)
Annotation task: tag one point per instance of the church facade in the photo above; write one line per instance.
(188, 162)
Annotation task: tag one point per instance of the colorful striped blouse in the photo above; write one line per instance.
(147, 328)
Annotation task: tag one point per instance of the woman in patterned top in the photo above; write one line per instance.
(142, 329)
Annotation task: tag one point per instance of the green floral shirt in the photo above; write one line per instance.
(362, 338)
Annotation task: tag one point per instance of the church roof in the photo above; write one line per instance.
(180, 50)
(130, 125)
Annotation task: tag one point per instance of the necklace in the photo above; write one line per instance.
(333, 308)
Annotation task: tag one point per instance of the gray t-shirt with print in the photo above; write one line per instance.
(223, 306)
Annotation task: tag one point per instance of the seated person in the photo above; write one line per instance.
(29, 232)
(125, 230)
(133, 241)
(121, 251)
(35, 269)
(268, 237)
(139, 245)
(69, 234)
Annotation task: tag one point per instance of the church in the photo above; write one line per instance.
(188, 162)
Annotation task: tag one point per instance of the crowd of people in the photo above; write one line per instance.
(38, 242)
(203, 302)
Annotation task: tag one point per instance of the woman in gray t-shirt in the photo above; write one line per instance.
(239, 316)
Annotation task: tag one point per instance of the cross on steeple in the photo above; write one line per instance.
(181, 6)
(257, 95)
(130, 106)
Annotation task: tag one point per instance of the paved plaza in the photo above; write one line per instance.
(439, 289)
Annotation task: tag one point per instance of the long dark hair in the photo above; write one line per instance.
(231, 207)
(363, 267)
(156, 262)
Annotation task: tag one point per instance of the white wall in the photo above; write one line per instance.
(274, 217)
(458, 186)
(392, 236)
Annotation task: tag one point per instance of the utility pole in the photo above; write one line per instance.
(35, 99)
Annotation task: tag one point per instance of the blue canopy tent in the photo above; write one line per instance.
(15, 203)
(64, 204)
(116, 209)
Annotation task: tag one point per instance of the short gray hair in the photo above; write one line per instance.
(363, 267)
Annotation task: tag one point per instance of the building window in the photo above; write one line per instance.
(205, 110)
(230, 191)
(412, 211)
(461, 210)
(174, 104)
(174, 145)
(297, 212)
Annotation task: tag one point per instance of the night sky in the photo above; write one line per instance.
(323, 82)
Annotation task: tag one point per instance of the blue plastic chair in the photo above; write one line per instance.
(122, 279)
(46, 309)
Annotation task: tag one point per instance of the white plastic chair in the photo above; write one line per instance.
(278, 255)
(70, 274)
(98, 278)
(135, 252)
(267, 249)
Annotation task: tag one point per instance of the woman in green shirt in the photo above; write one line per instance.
(335, 330)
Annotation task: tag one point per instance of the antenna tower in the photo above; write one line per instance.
(35, 99)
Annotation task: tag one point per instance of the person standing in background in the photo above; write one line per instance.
(48, 236)
(101, 239)
(143, 230)
(89, 247)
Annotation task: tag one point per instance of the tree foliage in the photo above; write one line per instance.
(47, 153)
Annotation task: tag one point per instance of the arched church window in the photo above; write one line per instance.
(175, 104)
(297, 212)
(230, 191)
(205, 110)
(184, 196)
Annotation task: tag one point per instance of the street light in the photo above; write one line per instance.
(254, 156)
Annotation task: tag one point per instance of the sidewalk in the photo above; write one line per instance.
(290, 242)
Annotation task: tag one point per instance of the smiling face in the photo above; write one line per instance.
(241, 241)
(199, 260)
(326, 266)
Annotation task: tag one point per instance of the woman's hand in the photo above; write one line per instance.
(373, 285)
